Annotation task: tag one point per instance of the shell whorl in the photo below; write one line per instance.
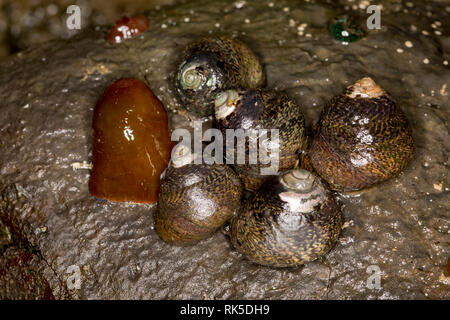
(190, 77)
(225, 103)
(298, 180)
(181, 156)
(303, 190)
(365, 88)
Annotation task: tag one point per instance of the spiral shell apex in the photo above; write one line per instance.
(290, 220)
(365, 88)
(212, 65)
(362, 138)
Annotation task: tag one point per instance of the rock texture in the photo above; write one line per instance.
(87, 248)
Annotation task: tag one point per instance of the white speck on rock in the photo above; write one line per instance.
(443, 90)
(239, 4)
(22, 192)
(81, 165)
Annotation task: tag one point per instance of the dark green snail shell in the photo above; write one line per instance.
(362, 140)
(212, 65)
(256, 109)
(283, 226)
(345, 28)
(194, 201)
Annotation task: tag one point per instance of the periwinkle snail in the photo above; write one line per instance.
(195, 199)
(290, 220)
(212, 65)
(362, 138)
(254, 110)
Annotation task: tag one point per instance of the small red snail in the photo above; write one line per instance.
(126, 28)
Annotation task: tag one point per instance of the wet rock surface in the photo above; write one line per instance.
(47, 96)
(21, 276)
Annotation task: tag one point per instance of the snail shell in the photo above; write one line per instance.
(362, 138)
(256, 109)
(212, 65)
(195, 200)
(290, 220)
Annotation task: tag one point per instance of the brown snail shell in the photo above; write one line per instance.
(290, 220)
(195, 200)
(256, 109)
(214, 64)
(362, 138)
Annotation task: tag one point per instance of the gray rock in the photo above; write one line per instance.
(21, 276)
(47, 96)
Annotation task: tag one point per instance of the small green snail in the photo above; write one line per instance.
(345, 28)
(195, 200)
(254, 110)
(290, 220)
(362, 138)
(212, 65)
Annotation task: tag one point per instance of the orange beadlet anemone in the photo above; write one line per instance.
(132, 145)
